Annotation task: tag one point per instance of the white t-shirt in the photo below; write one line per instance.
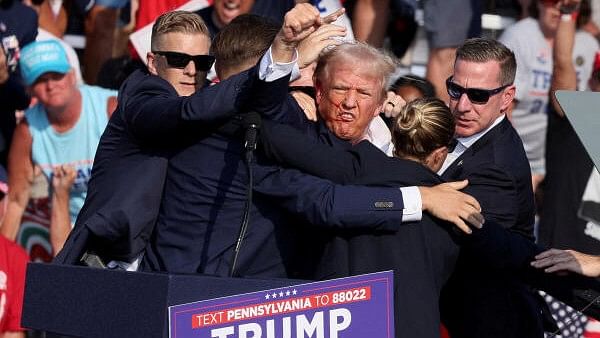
(534, 74)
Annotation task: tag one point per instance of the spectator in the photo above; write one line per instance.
(369, 21)
(66, 114)
(52, 16)
(63, 177)
(222, 12)
(445, 32)
(532, 40)
(409, 87)
(20, 28)
(45, 34)
(13, 261)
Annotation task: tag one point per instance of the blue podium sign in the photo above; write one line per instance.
(352, 307)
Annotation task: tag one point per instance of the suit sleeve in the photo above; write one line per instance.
(289, 146)
(323, 203)
(493, 247)
(497, 193)
(156, 111)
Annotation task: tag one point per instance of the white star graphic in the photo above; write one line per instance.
(267, 296)
(280, 294)
(274, 295)
(287, 293)
(294, 292)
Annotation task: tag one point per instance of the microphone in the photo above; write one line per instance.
(251, 123)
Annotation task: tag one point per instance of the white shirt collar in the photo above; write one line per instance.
(379, 134)
(470, 140)
(464, 143)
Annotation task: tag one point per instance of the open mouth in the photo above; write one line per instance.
(346, 117)
(231, 5)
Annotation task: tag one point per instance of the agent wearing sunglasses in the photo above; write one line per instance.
(130, 167)
(490, 154)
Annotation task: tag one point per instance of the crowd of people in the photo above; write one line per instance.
(469, 183)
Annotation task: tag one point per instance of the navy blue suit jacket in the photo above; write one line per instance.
(125, 189)
(490, 303)
(204, 199)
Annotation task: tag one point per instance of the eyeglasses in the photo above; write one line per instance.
(475, 95)
(181, 60)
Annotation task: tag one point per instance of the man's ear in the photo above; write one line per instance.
(151, 62)
(318, 92)
(507, 97)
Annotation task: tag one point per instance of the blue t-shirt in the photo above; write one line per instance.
(76, 146)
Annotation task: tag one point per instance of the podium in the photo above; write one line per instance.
(79, 301)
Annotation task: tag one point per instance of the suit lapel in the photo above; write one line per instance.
(454, 171)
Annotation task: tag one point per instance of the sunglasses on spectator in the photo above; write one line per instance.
(181, 60)
(475, 95)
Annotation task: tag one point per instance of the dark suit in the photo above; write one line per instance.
(493, 303)
(422, 255)
(204, 200)
(128, 175)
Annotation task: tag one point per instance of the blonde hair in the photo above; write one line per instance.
(177, 22)
(422, 126)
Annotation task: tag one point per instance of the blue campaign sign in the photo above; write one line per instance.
(351, 307)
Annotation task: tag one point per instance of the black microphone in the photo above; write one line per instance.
(251, 123)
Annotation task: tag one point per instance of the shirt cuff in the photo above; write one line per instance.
(270, 71)
(413, 205)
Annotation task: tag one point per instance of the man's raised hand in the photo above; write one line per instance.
(299, 22)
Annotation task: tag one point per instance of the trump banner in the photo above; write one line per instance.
(352, 307)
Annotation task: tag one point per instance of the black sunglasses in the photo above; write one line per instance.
(475, 95)
(181, 60)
